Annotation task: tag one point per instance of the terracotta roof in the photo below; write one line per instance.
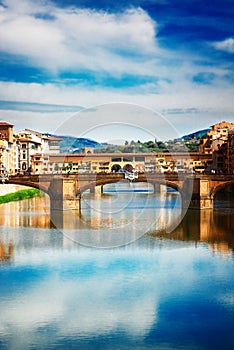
(6, 124)
(53, 138)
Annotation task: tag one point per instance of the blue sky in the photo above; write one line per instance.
(172, 56)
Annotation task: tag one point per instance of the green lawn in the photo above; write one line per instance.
(19, 195)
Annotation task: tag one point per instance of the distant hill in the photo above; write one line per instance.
(195, 135)
(70, 144)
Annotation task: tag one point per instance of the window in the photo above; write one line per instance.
(128, 159)
(24, 145)
(139, 159)
(53, 143)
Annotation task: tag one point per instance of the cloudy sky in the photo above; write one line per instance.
(171, 56)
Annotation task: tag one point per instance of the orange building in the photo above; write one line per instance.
(6, 131)
(215, 138)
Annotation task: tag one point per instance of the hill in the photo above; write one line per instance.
(195, 135)
(70, 144)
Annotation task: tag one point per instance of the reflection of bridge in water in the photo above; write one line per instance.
(209, 226)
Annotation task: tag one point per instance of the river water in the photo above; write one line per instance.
(172, 288)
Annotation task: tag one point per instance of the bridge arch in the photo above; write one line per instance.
(128, 167)
(115, 168)
(103, 182)
(174, 186)
(36, 185)
(220, 187)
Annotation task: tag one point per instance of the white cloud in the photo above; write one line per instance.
(211, 104)
(225, 45)
(178, 95)
(77, 38)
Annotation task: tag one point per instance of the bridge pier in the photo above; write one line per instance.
(201, 197)
(63, 196)
(159, 188)
(202, 203)
(96, 189)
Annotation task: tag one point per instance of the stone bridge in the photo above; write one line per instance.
(65, 190)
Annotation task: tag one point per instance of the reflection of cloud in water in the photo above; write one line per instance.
(81, 304)
(84, 293)
(227, 300)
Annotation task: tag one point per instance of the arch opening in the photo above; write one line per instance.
(128, 167)
(115, 168)
(223, 196)
(34, 206)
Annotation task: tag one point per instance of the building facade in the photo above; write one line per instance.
(29, 151)
(6, 147)
(215, 138)
(223, 157)
(112, 162)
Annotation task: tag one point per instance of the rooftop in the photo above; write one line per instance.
(5, 124)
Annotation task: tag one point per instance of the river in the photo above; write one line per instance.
(169, 286)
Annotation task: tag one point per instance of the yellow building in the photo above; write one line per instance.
(2, 149)
(110, 162)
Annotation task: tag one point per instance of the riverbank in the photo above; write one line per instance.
(10, 188)
(10, 193)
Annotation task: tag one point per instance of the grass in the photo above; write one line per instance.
(20, 195)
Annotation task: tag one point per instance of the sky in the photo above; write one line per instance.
(174, 57)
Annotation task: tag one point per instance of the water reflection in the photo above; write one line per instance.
(215, 227)
(26, 213)
(113, 219)
(128, 298)
(6, 251)
(165, 291)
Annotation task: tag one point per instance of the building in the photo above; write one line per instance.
(52, 144)
(2, 155)
(230, 152)
(223, 157)
(29, 144)
(112, 162)
(215, 138)
(6, 131)
(6, 148)
(32, 146)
